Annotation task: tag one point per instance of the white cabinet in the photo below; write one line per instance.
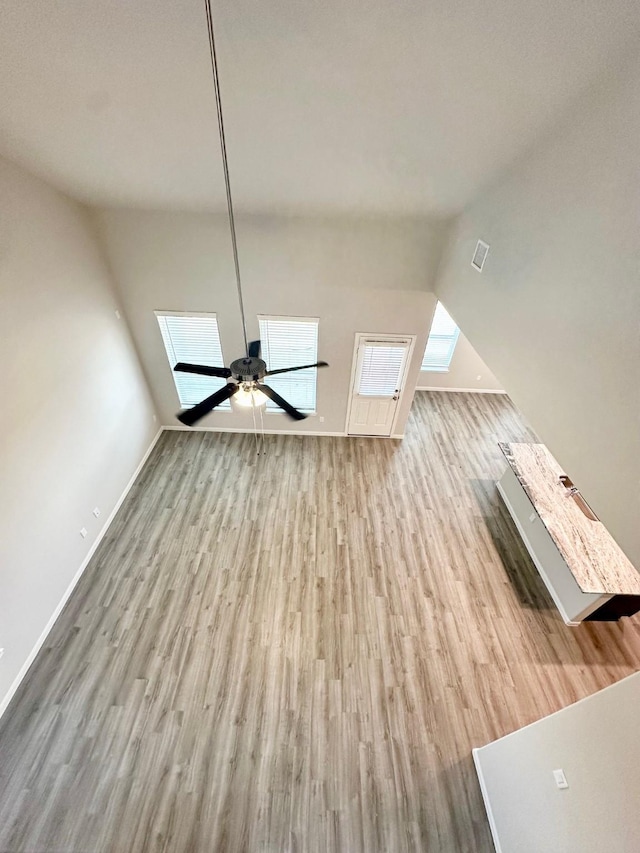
(573, 604)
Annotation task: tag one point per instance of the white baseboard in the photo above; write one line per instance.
(487, 804)
(41, 639)
(276, 431)
(245, 430)
(459, 390)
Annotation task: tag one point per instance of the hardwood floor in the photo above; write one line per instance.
(296, 652)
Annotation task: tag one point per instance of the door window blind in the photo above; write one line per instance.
(287, 342)
(381, 369)
(442, 341)
(193, 338)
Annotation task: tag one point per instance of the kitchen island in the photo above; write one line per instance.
(585, 571)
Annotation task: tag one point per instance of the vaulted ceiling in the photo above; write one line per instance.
(368, 106)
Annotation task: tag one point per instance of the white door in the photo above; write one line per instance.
(380, 367)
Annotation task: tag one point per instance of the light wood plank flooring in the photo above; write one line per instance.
(297, 652)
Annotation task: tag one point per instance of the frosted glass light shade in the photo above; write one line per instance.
(249, 396)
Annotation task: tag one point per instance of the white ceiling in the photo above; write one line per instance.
(379, 106)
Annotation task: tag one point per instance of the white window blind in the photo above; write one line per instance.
(193, 338)
(442, 341)
(381, 369)
(287, 342)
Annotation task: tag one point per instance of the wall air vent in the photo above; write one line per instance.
(480, 255)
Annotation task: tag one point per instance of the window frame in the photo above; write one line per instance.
(214, 381)
(271, 408)
(451, 338)
(371, 343)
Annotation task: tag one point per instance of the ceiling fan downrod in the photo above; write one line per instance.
(225, 166)
(246, 372)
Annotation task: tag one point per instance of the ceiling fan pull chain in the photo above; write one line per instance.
(264, 452)
(255, 428)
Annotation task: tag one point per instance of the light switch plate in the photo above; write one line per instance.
(561, 779)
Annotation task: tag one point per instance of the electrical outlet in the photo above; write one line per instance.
(155, 419)
(561, 779)
(478, 377)
(96, 512)
(321, 419)
(83, 533)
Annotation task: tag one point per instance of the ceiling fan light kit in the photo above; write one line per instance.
(249, 396)
(247, 389)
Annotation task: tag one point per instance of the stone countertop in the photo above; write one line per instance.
(591, 553)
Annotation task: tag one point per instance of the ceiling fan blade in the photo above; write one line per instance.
(254, 349)
(190, 416)
(203, 369)
(280, 401)
(301, 367)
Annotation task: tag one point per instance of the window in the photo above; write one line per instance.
(442, 341)
(287, 342)
(193, 338)
(381, 368)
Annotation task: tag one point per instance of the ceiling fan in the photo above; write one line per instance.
(249, 371)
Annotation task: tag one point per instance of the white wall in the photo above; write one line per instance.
(595, 742)
(467, 371)
(556, 311)
(76, 417)
(355, 275)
